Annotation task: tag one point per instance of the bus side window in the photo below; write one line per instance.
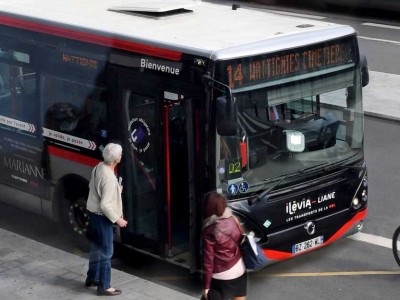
(74, 108)
(93, 114)
(62, 117)
(25, 86)
(5, 91)
(18, 92)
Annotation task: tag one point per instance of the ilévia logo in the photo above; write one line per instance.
(296, 206)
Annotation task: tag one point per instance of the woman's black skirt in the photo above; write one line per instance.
(226, 289)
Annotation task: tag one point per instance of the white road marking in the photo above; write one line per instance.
(379, 40)
(372, 239)
(381, 25)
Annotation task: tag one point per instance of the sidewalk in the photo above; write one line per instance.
(32, 270)
(382, 96)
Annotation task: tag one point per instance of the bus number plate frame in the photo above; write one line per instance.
(306, 245)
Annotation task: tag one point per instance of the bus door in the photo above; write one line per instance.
(154, 124)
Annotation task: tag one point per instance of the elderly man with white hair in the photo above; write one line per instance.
(105, 208)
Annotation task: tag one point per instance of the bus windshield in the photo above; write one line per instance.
(291, 128)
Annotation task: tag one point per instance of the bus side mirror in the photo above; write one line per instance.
(364, 70)
(226, 116)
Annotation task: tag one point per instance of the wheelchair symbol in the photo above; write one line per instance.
(243, 187)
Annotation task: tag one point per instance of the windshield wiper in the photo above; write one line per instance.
(339, 165)
(313, 168)
(265, 193)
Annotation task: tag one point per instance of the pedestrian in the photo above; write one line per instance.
(224, 272)
(105, 209)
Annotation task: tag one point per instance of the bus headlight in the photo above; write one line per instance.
(356, 203)
(364, 195)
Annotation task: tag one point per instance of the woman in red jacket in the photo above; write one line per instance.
(224, 273)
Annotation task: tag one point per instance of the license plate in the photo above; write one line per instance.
(303, 246)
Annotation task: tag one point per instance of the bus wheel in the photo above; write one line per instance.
(78, 216)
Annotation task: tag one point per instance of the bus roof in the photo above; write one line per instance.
(211, 30)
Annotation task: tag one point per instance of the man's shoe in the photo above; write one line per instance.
(90, 282)
(115, 292)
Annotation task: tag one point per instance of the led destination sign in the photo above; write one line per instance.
(74, 61)
(80, 61)
(288, 63)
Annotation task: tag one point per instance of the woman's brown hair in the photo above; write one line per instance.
(214, 204)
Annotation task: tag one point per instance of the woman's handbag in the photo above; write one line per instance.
(252, 254)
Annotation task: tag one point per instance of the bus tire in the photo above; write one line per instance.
(72, 207)
(395, 245)
(78, 216)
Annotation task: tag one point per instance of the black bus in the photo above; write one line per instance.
(264, 108)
